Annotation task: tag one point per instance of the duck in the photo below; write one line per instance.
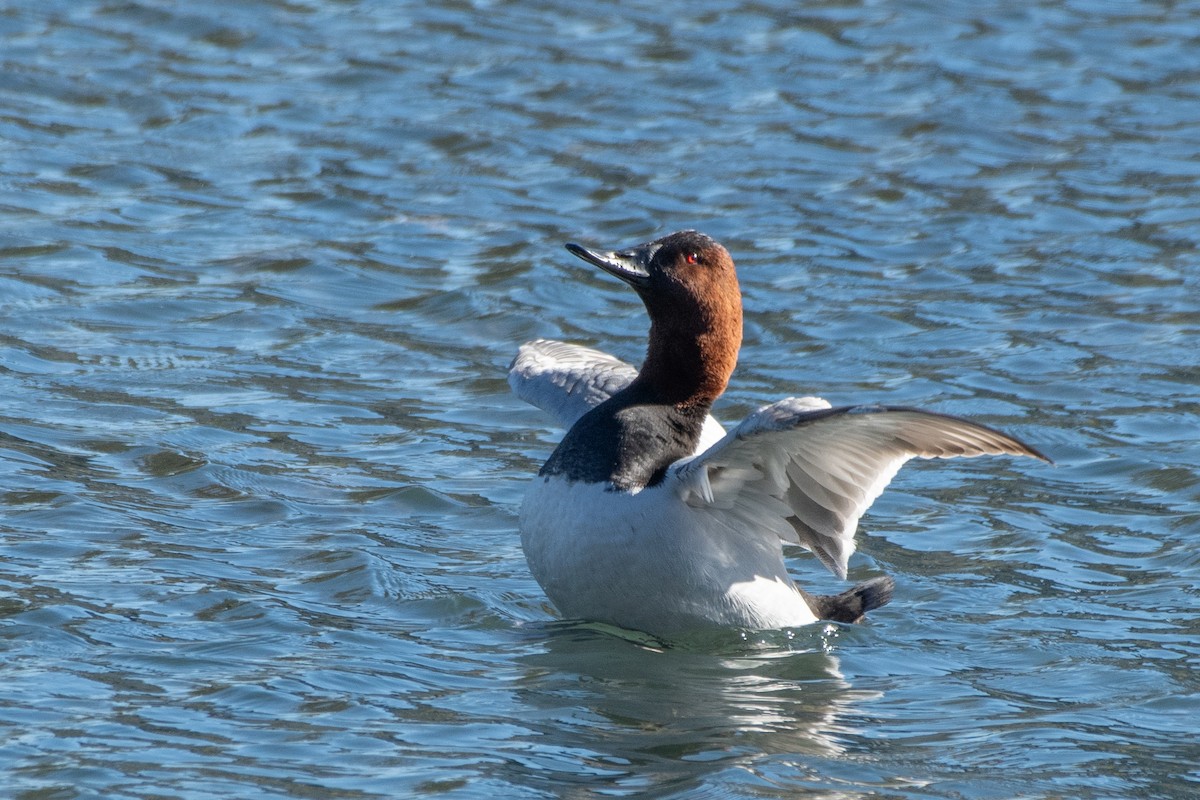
(649, 516)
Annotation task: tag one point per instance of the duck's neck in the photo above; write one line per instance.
(686, 368)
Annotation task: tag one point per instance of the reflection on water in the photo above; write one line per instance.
(262, 267)
(678, 717)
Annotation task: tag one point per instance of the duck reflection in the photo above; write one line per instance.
(621, 713)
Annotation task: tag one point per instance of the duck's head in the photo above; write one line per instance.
(689, 286)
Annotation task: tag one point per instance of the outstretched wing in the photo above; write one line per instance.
(568, 380)
(808, 471)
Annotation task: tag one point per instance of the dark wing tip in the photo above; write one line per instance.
(993, 442)
(1033, 452)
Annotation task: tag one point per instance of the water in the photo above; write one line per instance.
(263, 265)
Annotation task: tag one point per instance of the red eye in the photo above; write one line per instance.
(692, 258)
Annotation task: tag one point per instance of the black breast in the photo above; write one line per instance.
(626, 443)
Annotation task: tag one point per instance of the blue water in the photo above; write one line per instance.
(263, 265)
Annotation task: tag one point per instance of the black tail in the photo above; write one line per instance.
(852, 605)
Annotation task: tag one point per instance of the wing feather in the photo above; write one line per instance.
(566, 380)
(818, 469)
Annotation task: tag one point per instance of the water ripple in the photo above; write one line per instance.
(265, 267)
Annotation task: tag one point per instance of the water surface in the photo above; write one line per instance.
(263, 265)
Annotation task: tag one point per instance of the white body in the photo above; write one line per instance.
(652, 562)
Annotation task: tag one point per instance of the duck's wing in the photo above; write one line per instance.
(808, 471)
(566, 380)
(569, 380)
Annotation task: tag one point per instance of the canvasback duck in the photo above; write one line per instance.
(649, 516)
